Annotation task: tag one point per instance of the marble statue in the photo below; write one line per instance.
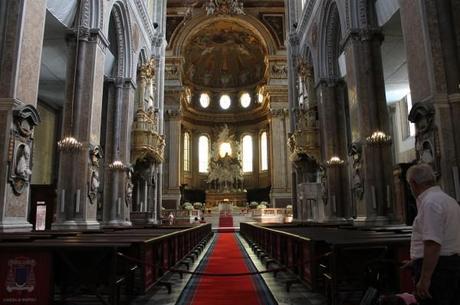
(22, 166)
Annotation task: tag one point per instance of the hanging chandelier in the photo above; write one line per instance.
(224, 7)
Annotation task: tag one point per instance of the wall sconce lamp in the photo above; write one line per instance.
(378, 138)
(117, 165)
(69, 144)
(334, 161)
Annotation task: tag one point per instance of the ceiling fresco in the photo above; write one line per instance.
(224, 55)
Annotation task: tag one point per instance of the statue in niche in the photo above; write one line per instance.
(95, 154)
(426, 138)
(20, 176)
(23, 160)
(355, 152)
(129, 186)
(322, 175)
(25, 118)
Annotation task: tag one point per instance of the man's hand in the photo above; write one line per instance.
(430, 260)
(406, 264)
(422, 290)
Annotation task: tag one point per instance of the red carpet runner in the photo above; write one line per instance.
(226, 257)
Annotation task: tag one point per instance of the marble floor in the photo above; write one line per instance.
(298, 294)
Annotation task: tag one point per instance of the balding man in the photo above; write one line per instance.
(435, 242)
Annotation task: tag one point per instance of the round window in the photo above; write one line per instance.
(225, 101)
(204, 100)
(245, 100)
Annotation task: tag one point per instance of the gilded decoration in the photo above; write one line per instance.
(224, 7)
(224, 55)
(147, 144)
(304, 140)
(225, 171)
(147, 70)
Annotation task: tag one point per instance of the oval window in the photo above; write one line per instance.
(245, 100)
(225, 101)
(204, 100)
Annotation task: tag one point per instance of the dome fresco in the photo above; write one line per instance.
(224, 55)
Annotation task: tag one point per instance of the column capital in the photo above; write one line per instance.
(122, 82)
(173, 113)
(330, 82)
(85, 33)
(362, 34)
(279, 112)
(294, 40)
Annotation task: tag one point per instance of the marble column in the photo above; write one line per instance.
(79, 169)
(333, 137)
(21, 41)
(293, 103)
(116, 202)
(369, 114)
(174, 155)
(430, 29)
(281, 169)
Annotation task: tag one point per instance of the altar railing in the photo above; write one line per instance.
(181, 216)
(272, 215)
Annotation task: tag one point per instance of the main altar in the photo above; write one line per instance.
(225, 179)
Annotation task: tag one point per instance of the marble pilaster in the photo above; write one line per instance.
(116, 202)
(77, 208)
(21, 44)
(279, 127)
(429, 27)
(334, 144)
(174, 155)
(369, 114)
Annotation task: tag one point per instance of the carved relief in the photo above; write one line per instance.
(304, 140)
(426, 138)
(355, 152)
(129, 186)
(172, 72)
(95, 154)
(25, 118)
(278, 70)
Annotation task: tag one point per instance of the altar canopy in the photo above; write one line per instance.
(225, 170)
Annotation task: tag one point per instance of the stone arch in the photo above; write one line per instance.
(195, 25)
(92, 14)
(331, 35)
(122, 28)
